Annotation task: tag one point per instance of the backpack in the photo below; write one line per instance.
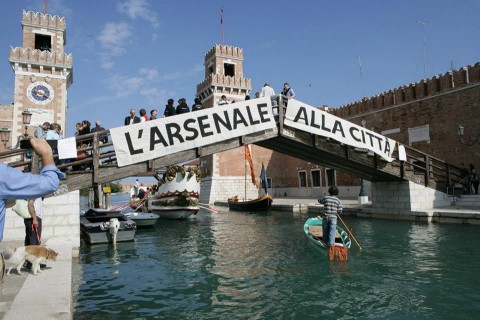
(21, 208)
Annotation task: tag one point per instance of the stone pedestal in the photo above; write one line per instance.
(362, 199)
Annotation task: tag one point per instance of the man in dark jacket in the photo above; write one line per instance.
(197, 105)
(182, 107)
(132, 118)
(169, 109)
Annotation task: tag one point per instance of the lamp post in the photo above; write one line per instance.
(5, 132)
(26, 118)
(362, 196)
(471, 141)
(5, 136)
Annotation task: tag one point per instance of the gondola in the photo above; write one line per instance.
(313, 231)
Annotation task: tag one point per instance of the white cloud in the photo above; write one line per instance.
(148, 73)
(139, 9)
(182, 74)
(113, 40)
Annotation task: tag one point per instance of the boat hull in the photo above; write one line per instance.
(94, 227)
(342, 238)
(173, 212)
(262, 203)
(143, 219)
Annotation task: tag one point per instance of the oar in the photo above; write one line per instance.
(350, 232)
(204, 206)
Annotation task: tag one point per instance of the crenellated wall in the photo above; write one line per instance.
(41, 57)
(408, 93)
(222, 80)
(224, 50)
(46, 20)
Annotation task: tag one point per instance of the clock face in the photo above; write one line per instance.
(40, 93)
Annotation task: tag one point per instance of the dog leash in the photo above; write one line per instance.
(34, 229)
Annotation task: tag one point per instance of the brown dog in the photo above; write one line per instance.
(33, 254)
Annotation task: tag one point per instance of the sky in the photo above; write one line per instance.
(139, 53)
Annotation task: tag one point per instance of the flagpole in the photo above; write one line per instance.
(245, 175)
(223, 33)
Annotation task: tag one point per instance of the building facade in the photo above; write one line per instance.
(425, 115)
(43, 73)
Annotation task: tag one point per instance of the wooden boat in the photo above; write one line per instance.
(143, 219)
(314, 232)
(262, 203)
(176, 196)
(96, 226)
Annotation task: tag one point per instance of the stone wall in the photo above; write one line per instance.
(405, 198)
(61, 220)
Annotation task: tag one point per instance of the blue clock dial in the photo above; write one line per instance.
(40, 93)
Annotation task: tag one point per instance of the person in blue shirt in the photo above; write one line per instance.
(15, 184)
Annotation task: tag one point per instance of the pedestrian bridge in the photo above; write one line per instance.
(298, 130)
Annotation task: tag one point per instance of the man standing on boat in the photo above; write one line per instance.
(331, 207)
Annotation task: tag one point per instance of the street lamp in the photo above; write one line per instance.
(471, 141)
(5, 136)
(5, 132)
(26, 118)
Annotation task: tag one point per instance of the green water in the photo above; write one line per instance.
(261, 266)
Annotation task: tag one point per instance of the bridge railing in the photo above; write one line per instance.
(436, 173)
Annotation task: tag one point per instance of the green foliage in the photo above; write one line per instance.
(115, 187)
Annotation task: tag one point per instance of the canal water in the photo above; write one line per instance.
(233, 265)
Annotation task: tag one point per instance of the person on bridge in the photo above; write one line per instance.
(15, 184)
(182, 107)
(143, 115)
(41, 131)
(103, 138)
(267, 91)
(331, 207)
(223, 100)
(169, 109)
(153, 114)
(132, 119)
(197, 105)
(287, 93)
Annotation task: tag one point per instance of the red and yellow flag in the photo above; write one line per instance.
(248, 157)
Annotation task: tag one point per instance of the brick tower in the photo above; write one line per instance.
(224, 173)
(43, 72)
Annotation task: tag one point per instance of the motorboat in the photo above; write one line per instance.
(104, 226)
(143, 219)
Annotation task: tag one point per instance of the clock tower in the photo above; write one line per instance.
(43, 72)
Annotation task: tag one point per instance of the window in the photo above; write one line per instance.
(330, 174)
(43, 42)
(229, 69)
(302, 179)
(316, 181)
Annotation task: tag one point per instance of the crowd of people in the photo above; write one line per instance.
(182, 107)
(170, 110)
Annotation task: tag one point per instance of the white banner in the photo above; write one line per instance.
(152, 139)
(307, 118)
